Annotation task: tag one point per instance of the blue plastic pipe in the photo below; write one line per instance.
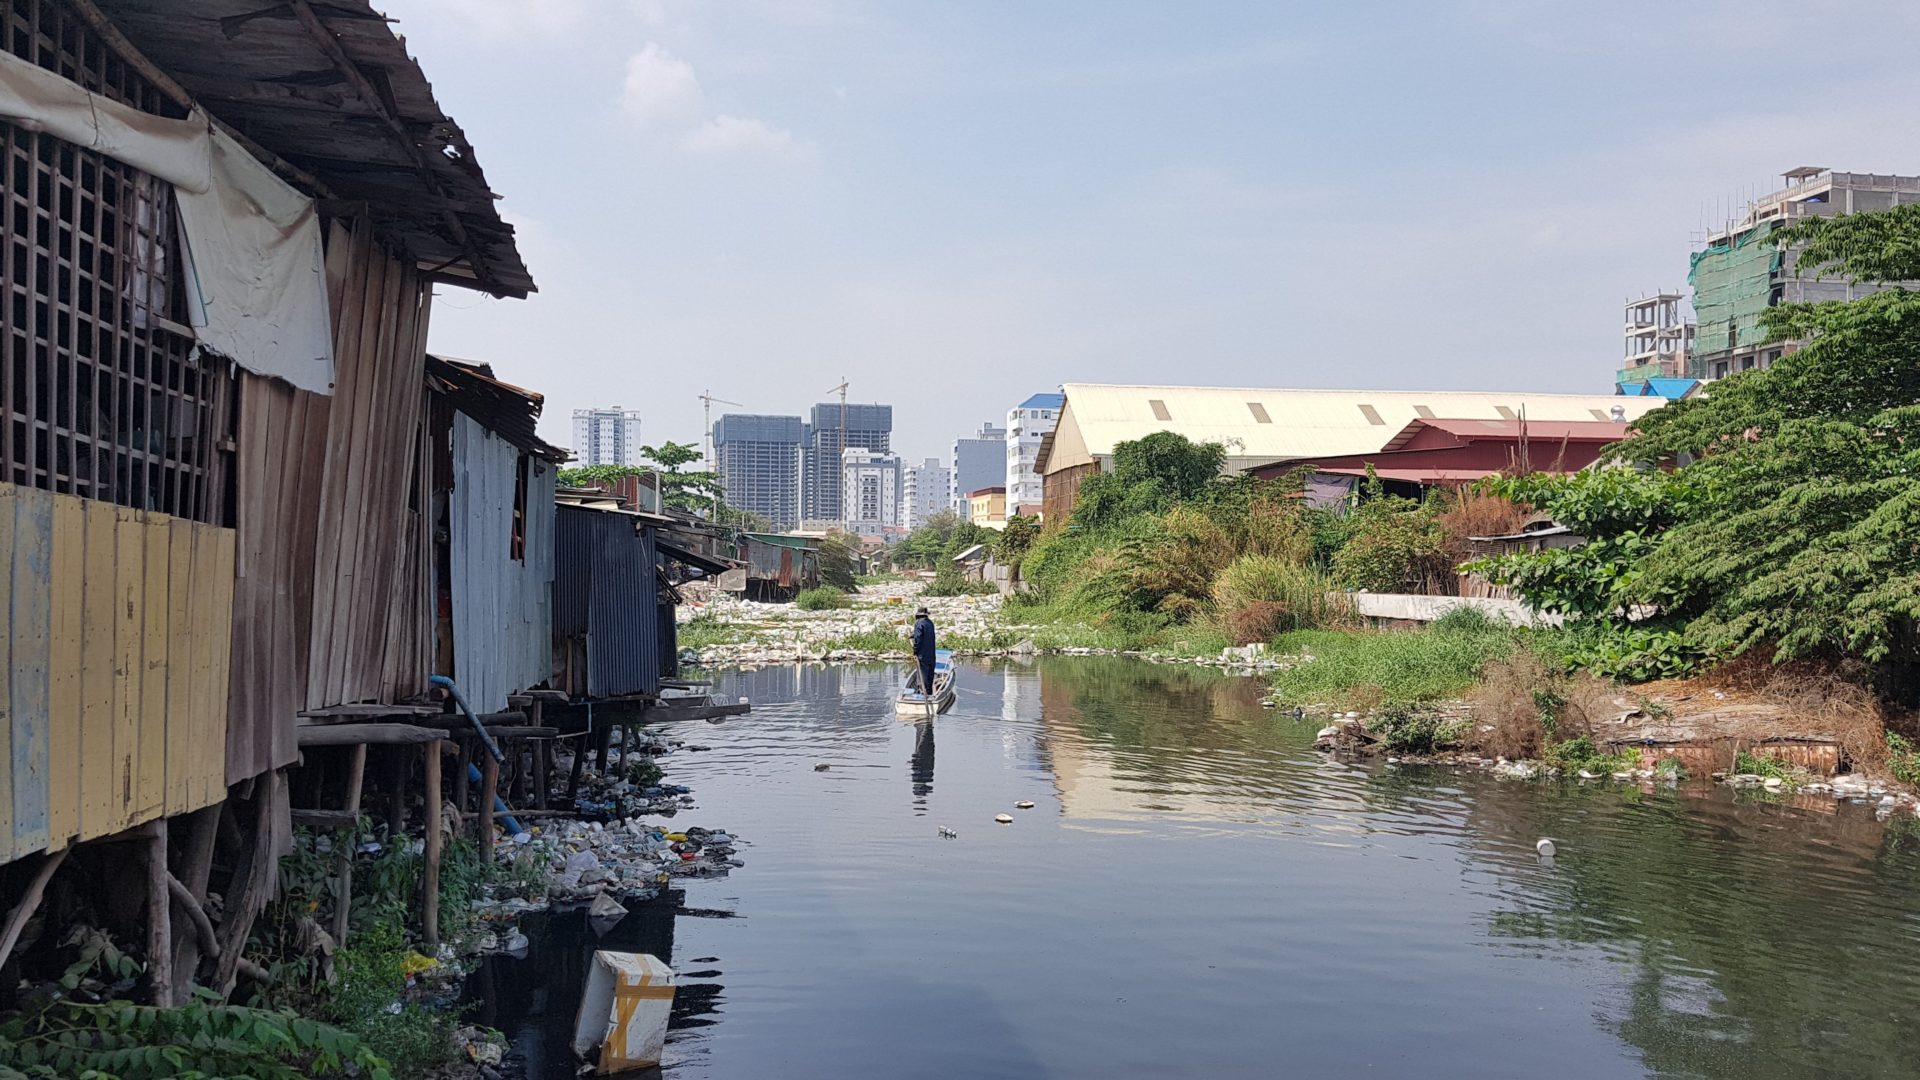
(473, 772)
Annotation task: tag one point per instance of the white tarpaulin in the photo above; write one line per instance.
(257, 268)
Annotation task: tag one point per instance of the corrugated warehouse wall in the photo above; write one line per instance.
(502, 605)
(115, 686)
(332, 602)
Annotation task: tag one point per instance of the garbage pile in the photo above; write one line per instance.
(779, 633)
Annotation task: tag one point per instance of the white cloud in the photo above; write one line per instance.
(743, 134)
(660, 88)
(505, 19)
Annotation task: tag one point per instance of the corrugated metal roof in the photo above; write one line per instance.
(1043, 401)
(1304, 423)
(1541, 431)
(503, 408)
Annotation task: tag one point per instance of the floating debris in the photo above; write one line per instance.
(1004, 819)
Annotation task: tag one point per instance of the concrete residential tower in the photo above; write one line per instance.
(609, 436)
(871, 480)
(758, 458)
(869, 427)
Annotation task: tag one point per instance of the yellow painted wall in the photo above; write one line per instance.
(117, 633)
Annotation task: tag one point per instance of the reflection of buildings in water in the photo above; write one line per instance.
(1020, 709)
(782, 682)
(1105, 770)
(867, 679)
(920, 766)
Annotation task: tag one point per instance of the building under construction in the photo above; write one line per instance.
(1741, 271)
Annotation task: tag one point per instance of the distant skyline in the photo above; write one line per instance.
(955, 206)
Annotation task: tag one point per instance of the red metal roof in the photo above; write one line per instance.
(1586, 431)
(1418, 475)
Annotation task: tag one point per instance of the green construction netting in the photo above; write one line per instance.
(1731, 283)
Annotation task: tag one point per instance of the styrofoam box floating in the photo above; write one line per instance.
(624, 1011)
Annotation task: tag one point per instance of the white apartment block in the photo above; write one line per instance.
(870, 491)
(608, 436)
(1027, 424)
(925, 490)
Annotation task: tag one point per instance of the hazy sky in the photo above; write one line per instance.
(957, 205)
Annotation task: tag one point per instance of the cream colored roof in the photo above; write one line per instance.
(1300, 423)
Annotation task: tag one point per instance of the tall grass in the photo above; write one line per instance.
(704, 631)
(1369, 667)
(1305, 594)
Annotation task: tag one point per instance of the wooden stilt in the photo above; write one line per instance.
(356, 778)
(159, 919)
(579, 763)
(489, 789)
(461, 770)
(430, 878)
(606, 740)
(397, 790)
(540, 772)
(22, 911)
(518, 757)
(196, 866)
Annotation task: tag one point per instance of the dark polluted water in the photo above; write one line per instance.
(1197, 893)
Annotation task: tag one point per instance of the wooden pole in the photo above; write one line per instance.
(540, 771)
(356, 778)
(489, 789)
(159, 918)
(430, 878)
(23, 910)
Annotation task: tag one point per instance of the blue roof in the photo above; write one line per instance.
(1043, 401)
(1670, 388)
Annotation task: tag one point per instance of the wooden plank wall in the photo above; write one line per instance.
(372, 612)
(333, 603)
(116, 634)
(502, 606)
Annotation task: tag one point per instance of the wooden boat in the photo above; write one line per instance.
(912, 702)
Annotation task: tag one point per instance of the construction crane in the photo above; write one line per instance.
(707, 401)
(839, 469)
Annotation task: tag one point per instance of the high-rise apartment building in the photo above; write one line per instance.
(1741, 271)
(1028, 423)
(925, 490)
(1657, 338)
(871, 483)
(609, 436)
(758, 458)
(869, 427)
(979, 460)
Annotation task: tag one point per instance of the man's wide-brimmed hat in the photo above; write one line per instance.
(922, 611)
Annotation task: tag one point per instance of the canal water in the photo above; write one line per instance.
(1197, 893)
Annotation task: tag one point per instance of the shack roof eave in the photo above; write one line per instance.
(329, 89)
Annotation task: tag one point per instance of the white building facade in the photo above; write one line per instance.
(1027, 424)
(609, 436)
(925, 490)
(870, 491)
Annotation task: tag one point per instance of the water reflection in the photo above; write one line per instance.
(1198, 893)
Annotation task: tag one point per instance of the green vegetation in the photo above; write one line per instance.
(1745, 764)
(703, 631)
(1365, 668)
(696, 491)
(1571, 757)
(949, 581)
(1415, 729)
(877, 640)
(1789, 525)
(1903, 759)
(932, 546)
(823, 598)
(121, 1041)
(837, 562)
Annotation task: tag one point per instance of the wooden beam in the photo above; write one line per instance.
(378, 102)
(370, 734)
(489, 789)
(250, 878)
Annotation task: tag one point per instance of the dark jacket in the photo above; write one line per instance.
(923, 638)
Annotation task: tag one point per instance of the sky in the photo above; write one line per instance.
(954, 206)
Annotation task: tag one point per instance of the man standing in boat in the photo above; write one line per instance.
(923, 647)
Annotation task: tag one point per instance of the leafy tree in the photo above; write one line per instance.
(1791, 521)
(694, 492)
(1149, 476)
(1016, 539)
(837, 562)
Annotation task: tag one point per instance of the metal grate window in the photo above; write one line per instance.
(1506, 412)
(97, 392)
(1373, 415)
(1423, 412)
(1259, 412)
(1159, 409)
